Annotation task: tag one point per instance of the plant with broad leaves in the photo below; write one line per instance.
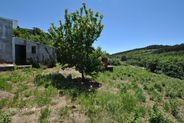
(74, 38)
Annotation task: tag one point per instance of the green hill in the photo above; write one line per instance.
(156, 58)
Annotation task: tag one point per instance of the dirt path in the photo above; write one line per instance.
(26, 116)
(5, 95)
(59, 103)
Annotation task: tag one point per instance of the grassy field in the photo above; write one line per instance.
(127, 95)
(158, 59)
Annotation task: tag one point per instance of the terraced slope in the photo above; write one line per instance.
(156, 58)
(128, 94)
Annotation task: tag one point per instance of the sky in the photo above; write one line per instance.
(128, 24)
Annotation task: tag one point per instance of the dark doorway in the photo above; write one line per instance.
(20, 54)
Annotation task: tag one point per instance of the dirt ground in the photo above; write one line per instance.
(32, 114)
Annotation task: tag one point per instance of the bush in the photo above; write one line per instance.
(123, 58)
(4, 118)
(152, 65)
(114, 62)
(157, 117)
(173, 69)
(170, 65)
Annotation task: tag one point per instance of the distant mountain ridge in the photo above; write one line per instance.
(158, 48)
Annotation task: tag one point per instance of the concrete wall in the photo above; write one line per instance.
(43, 55)
(6, 29)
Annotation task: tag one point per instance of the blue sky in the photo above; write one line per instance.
(128, 24)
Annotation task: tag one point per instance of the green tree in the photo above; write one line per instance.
(35, 34)
(74, 39)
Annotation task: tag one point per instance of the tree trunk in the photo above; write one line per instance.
(83, 78)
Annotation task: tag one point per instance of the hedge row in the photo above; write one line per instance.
(170, 65)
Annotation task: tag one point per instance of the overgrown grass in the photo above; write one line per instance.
(44, 97)
(64, 111)
(4, 118)
(5, 85)
(44, 115)
(17, 83)
(128, 94)
(128, 104)
(116, 107)
(156, 116)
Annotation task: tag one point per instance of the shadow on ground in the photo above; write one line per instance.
(67, 85)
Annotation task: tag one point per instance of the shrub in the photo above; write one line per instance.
(173, 69)
(114, 62)
(174, 108)
(123, 58)
(5, 86)
(4, 118)
(64, 111)
(156, 116)
(44, 115)
(170, 65)
(152, 65)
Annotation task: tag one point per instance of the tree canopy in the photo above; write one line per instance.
(74, 39)
(35, 34)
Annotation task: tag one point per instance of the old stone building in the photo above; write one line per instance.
(18, 51)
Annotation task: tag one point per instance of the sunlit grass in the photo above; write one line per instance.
(128, 94)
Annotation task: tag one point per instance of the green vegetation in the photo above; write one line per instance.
(5, 86)
(64, 111)
(132, 88)
(4, 118)
(159, 59)
(157, 116)
(44, 115)
(74, 39)
(44, 98)
(35, 34)
(128, 94)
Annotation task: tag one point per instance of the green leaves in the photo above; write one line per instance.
(75, 36)
(35, 34)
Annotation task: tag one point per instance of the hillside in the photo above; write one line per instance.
(128, 94)
(157, 58)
